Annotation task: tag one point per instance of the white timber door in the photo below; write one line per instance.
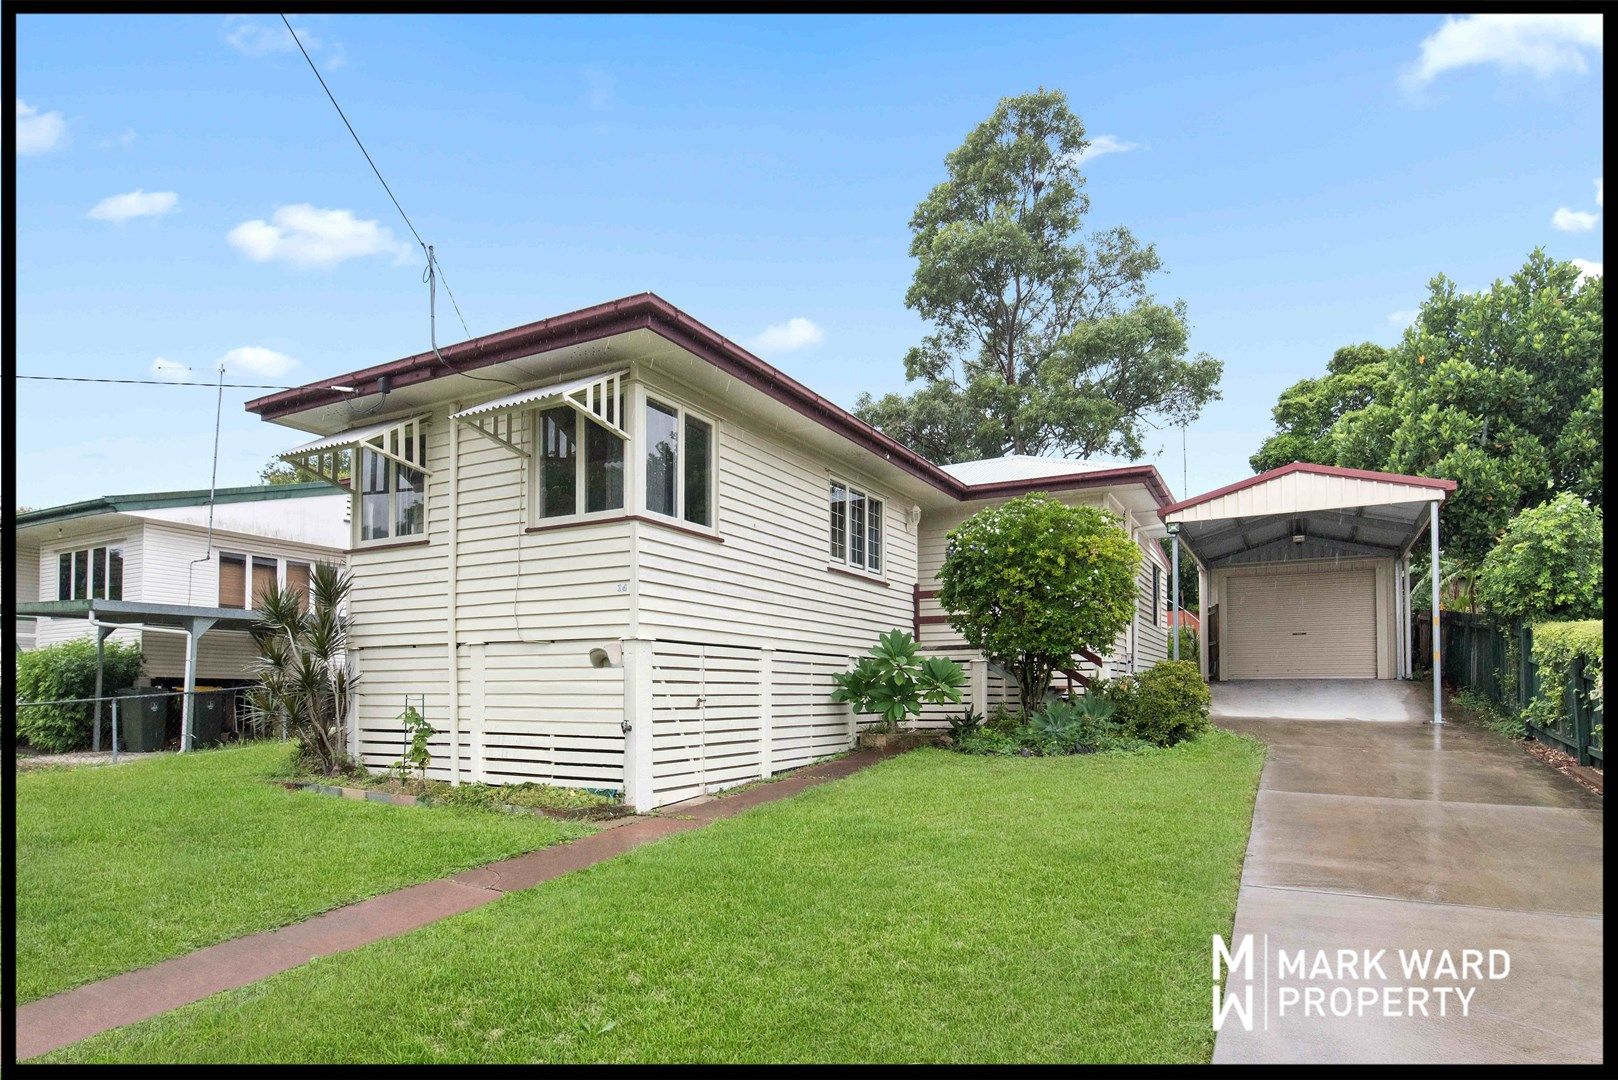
(1300, 624)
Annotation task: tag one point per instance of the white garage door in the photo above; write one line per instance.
(1309, 624)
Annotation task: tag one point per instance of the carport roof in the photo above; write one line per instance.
(1307, 511)
(139, 612)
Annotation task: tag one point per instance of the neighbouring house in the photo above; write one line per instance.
(1187, 619)
(155, 562)
(615, 550)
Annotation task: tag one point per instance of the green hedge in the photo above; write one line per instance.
(1556, 645)
(1165, 703)
(63, 671)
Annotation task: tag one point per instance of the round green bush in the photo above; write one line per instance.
(1548, 565)
(1164, 704)
(65, 671)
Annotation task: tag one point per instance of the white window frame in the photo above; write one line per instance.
(357, 479)
(536, 464)
(653, 396)
(880, 573)
(90, 569)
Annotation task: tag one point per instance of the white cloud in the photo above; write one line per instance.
(599, 85)
(1568, 220)
(305, 236)
(254, 37)
(254, 360)
(172, 370)
(1587, 269)
(1403, 318)
(134, 204)
(1542, 45)
(122, 139)
(38, 132)
(795, 333)
(1102, 145)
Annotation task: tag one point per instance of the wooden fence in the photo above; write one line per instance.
(1476, 656)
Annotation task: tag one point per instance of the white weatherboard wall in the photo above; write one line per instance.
(125, 532)
(25, 588)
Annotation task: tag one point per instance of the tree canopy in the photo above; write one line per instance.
(1043, 342)
(1499, 390)
(1548, 565)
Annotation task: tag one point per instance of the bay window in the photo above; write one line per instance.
(856, 528)
(578, 465)
(393, 496)
(679, 464)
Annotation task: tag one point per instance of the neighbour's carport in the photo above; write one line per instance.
(1305, 572)
(105, 616)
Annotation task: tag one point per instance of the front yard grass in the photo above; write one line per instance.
(121, 866)
(935, 907)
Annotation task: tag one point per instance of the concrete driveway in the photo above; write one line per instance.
(1383, 832)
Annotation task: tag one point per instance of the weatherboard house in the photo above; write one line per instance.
(179, 572)
(613, 549)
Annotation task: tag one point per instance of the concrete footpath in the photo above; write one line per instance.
(1383, 832)
(57, 1021)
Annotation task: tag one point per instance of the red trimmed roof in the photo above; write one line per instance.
(1307, 467)
(647, 311)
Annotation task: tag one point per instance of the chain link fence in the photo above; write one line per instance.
(148, 720)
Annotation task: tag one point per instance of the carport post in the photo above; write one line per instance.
(195, 629)
(101, 641)
(1174, 531)
(1438, 638)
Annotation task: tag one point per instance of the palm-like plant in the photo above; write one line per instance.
(893, 681)
(303, 681)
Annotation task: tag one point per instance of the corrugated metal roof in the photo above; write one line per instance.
(161, 500)
(348, 438)
(528, 397)
(1025, 467)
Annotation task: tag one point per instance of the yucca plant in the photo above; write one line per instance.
(303, 683)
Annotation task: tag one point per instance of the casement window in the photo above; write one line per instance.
(578, 466)
(244, 579)
(393, 496)
(91, 573)
(679, 464)
(856, 528)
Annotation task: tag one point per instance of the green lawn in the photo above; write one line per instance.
(121, 866)
(935, 907)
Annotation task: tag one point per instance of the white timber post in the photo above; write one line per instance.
(1203, 606)
(1438, 639)
(1174, 625)
(853, 717)
(979, 684)
(766, 712)
(475, 709)
(637, 724)
(452, 596)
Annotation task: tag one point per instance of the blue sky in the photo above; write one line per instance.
(185, 193)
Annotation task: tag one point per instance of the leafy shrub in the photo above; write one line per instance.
(416, 757)
(1492, 715)
(893, 681)
(1078, 725)
(1556, 645)
(64, 671)
(1164, 704)
(965, 724)
(1188, 643)
(1547, 565)
(1033, 582)
(989, 741)
(303, 679)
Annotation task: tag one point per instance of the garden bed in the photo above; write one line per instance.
(543, 800)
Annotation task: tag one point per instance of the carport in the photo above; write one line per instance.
(1305, 572)
(105, 616)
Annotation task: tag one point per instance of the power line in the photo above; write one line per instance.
(433, 268)
(155, 382)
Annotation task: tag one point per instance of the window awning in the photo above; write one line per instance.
(401, 441)
(599, 397)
